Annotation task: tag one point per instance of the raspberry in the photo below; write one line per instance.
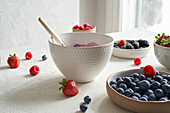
(137, 61)
(87, 28)
(28, 55)
(34, 70)
(149, 71)
(122, 43)
(75, 27)
(81, 27)
(86, 24)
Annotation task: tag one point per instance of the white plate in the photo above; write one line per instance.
(131, 53)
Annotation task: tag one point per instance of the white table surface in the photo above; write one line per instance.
(22, 93)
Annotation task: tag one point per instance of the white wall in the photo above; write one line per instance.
(104, 14)
(19, 25)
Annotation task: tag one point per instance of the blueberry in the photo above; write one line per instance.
(44, 57)
(129, 92)
(137, 90)
(123, 47)
(122, 85)
(132, 85)
(135, 45)
(136, 80)
(150, 80)
(143, 43)
(159, 93)
(132, 79)
(148, 92)
(87, 99)
(119, 78)
(144, 85)
(155, 85)
(166, 88)
(163, 82)
(113, 82)
(157, 72)
(142, 77)
(127, 81)
(135, 97)
(169, 82)
(168, 77)
(119, 82)
(120, 90)
(129, 46)
(114, 86)
(145, 96)
(143, 99)
(152, 97)
(134, 75)
(158, 78)
(163, 99)
(115, 44)
(83, 107)
(164, 76)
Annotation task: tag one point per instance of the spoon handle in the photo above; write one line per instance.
(50, 31)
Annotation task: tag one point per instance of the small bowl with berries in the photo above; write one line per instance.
(84, 28)
(131, 48)
(162, 49)
(140, 90)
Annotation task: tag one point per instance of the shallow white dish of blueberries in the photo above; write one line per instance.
(131, 50)
(135, 105)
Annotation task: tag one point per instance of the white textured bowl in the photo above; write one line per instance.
(131, 53)
(82, 64)
(163, 55)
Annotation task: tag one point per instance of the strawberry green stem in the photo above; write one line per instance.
(63, 83)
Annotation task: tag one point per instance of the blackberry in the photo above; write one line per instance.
(132, 41)
(143, 43)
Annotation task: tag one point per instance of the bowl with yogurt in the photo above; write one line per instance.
(84, 56)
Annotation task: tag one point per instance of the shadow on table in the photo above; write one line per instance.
(107, 106)
(4, 67)
(36, 90)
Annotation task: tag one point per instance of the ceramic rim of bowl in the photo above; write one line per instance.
(160, 46)
(102, 45)
(123, 96)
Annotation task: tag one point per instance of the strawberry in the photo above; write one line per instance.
(81, 27)
(13, 61)
(87, 28)
(167, 45)
(91, 27)
(75, 27)
(162, 37)
(69, 87)
(86, 25)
